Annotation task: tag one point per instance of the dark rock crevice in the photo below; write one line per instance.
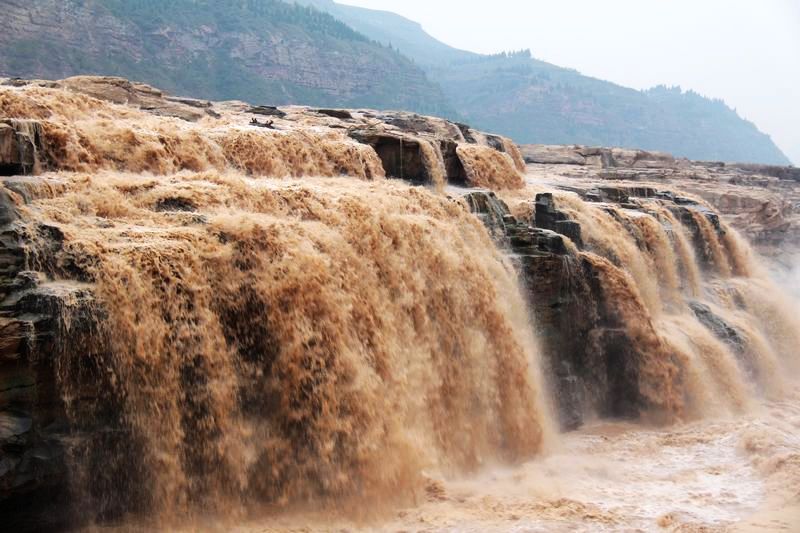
(401, 157)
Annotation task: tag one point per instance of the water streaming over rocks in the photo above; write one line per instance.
(206, 317)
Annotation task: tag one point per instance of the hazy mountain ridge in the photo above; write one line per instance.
(258, 50)
(537, 102)
(275, 52)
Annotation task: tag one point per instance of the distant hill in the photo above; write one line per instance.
(264, 51)
(536, 102)
(317, 52)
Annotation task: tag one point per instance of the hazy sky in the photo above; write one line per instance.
(746, 52)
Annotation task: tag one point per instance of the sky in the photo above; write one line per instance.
(746, 52)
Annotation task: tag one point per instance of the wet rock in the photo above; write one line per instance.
(725, 332)
(8, 209)
(20, 142)
(13, 430)
(401, 155)
(36, 319)
(36, 322)
(547, 216)
(683, 211)
(492, 211)
(454, 168)
(269, 111)
(466, 132)
(591, 357)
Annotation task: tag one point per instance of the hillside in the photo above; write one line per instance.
(537, 102)
(264, 51)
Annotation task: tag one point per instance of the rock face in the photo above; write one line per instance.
(587, 348)
(761, 201)
(37, 321)
(19, 143)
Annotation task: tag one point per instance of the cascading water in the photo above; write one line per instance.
(288, 342)
(231, 339)
(707, 329)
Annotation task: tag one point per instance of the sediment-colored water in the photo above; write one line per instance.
(722, 475)
(284, 339)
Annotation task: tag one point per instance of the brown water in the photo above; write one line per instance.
(729, 474)
(292, 341)
(699, 373)
(353, 352)
(488, 168)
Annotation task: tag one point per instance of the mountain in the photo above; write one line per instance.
(390, 28)
(537, 102)
(263, 51)
(321, 53)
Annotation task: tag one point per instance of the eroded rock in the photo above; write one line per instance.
(20, 142)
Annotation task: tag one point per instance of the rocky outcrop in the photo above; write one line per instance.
(39, 322)
(761, 201)
(597, 157)
(143, 96)
(20, 141)
(591, 356)
(547, 216)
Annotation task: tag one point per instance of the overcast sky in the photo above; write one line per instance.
(746, 52)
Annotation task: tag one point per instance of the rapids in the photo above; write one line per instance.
(307, 343)
(723, 475)
(261, 331)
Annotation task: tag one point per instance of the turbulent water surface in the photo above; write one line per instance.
(712, 476)
(281, 339)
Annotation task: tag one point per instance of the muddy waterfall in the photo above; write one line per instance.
(215, 310)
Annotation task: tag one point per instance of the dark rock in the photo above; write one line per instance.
(175, 204)
(456, 174)
(466, 132)
(20, 142)
(547, 216)
(36, 322)
(8, 210)
(726, 333)
(401, 155)
(269, 111)
(492, 211)
(590, 356)
(683, 211)
(342, 114)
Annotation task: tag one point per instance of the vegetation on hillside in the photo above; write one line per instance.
(536, 102)
(265, 51)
